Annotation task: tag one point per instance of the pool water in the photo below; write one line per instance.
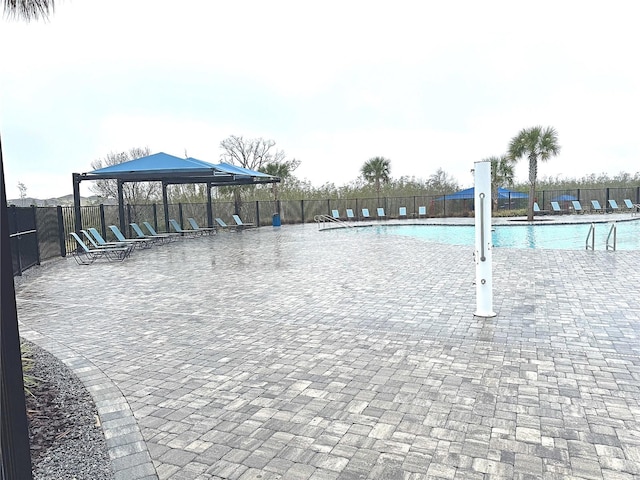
(558, 237)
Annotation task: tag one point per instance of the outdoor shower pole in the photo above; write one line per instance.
(484, 274)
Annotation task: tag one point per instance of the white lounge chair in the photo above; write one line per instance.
(577, 207)
(240, 223)
(196, 227)
(134, 242)
(536, 207)
(86, 256)
(176, 226)
(224, 226)
(633, 207)
(596, 207)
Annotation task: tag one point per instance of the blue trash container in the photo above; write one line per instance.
(276, 220)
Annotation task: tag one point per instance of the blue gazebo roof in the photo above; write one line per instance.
(171, 169)
(158, 162)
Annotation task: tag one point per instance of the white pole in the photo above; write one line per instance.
(484, 274)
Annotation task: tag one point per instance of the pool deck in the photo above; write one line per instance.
(289, 353)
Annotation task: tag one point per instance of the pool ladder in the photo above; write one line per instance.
(611, 242)
(322, 219)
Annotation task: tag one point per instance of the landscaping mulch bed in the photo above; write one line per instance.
(67, 441)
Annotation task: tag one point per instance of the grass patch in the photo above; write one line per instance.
(28, 363)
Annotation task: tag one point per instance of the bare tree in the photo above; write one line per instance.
(441, 183)
(134, 192)
(23, 193)
(250, 153)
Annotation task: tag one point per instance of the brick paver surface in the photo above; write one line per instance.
(297, 354)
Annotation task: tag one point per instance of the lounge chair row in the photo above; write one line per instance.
(92, 246)
(96, 247)
(402, 213)
(239, 224)
(197, 230)
(101, 249)
(595, 207)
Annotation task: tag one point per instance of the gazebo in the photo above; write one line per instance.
(168, 169)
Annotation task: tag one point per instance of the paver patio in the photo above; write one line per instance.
(296, 354)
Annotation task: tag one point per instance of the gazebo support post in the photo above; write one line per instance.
(76, 203)
(121, 205)
(209, 207)
(165, 205)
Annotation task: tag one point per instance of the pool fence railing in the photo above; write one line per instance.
(42, 233)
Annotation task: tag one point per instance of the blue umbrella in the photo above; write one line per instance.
(468, 194)
(564, 198)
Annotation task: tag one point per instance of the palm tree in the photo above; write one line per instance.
(502, 175)
(28, 9)
(535, 143)
(376, 170)
(283, 170)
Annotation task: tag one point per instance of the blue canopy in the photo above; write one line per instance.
(468, 194)
(157, 163)
(172, 169)
(168, 169)
(564, 198)
(228, 168)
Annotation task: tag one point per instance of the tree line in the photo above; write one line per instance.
(375, 180)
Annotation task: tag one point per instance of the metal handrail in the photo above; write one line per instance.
(321, 219)
(613, 231)
(20, 234)
(482, 255)
(592, 235)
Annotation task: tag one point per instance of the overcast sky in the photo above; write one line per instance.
(426, 84)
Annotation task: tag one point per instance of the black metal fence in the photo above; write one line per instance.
(41, 233)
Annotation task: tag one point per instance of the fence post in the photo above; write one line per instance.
(302, 209)
(18, 252)
(61, 235)
(103, 221)
(257, 213)
(35, 227)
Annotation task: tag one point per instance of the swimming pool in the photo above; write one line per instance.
(557, 237)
